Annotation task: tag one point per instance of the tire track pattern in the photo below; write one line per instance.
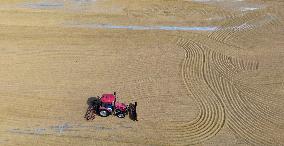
(208, 76)
(241, 25)
(211, 117)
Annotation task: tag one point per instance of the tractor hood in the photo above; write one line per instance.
(120, 106)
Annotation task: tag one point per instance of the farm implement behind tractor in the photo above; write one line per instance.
(107, 105)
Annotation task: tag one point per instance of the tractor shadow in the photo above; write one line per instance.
(92, 101)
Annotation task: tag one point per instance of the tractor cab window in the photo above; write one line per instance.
(107, 105)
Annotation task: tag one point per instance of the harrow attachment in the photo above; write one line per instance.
(90, 114)
(94, 103)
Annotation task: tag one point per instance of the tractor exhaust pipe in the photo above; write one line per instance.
(114, 93)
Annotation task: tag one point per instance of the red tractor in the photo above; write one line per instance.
(107, 105)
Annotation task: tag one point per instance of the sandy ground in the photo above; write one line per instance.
(204, 72)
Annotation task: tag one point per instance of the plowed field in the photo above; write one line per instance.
(204, 72)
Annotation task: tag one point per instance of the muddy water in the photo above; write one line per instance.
(58, 4)
(135, 27)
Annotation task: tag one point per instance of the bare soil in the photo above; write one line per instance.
(204, 72)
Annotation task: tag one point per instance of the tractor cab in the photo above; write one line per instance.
(108, 101)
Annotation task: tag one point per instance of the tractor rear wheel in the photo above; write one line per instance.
(104, 113)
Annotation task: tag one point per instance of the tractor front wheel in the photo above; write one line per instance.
(104, 113)
(119, 113)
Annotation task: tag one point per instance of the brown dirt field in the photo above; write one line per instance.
(204, 72)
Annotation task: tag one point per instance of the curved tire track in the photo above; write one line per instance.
(240, 25)
(208, 76)
(211, 117)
